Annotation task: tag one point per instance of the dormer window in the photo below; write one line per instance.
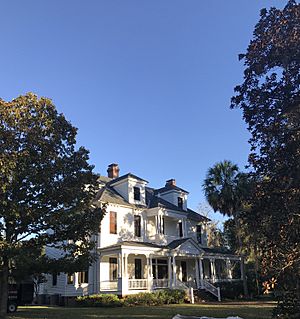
(137, 193)
(180, 202)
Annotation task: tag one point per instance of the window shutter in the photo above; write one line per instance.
(113, 222)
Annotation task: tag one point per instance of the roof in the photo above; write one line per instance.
(168, 188)
(218, 250)
(125, 177)
(154, 201)
(135, 243)
(108, 194)
(175, 243)
(104, 179)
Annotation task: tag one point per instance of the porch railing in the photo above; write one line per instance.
(109, 285)
(160, 283)
(211, 288)
(137, 284)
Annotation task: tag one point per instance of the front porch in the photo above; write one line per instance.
(127, 272)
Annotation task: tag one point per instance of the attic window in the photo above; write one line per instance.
(180, 202)
(137, 193)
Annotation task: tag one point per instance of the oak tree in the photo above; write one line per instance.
(270, 100)
(47, 189)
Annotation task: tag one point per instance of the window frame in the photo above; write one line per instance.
(83, 277)
(180, 202)
(199, 233)
(70, 278)
(180, 229)
(137, 225)
(137, 193)
(113, 268)
(54, 279)
(138, 265)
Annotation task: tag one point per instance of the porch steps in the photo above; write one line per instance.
(202, 295)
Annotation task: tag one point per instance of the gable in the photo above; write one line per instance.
(189, 247)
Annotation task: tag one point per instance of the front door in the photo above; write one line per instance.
(183, 271)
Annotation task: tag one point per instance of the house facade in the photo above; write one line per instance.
(149, 239)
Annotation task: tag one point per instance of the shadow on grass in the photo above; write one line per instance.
(243, 310)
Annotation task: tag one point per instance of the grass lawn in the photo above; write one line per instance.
(246, 310)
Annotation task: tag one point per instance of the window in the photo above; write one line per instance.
(138, 269)
(113, 222)
(113, 268)
(180, 229)
(83, 277)
(160, 268)
(180, 202)
(136, 193)
(54, 279)
(70, 279)
(163, 225)
(198, 232)
(137, 225)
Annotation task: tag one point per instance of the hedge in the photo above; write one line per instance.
(160, 297)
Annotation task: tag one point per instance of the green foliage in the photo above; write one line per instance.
(47, 188)
(100, 300)
(143, 299)
(225, 188)
(160, 297)
(231, 290)
(270, 100)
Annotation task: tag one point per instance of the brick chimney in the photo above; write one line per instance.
(171, 182)
(113, 170)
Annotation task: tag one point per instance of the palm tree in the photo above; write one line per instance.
(225, 188)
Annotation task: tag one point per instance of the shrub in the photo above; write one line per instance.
(231, 290)
(160, 297)
(172, 296)
(101, 300)
(143, 299)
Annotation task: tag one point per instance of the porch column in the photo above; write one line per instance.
(213, 269)
(124, 273)
(197, 272)
(174, 272)
(228, 267)
(119, 265)
(170, 271)
(149, 272)
(201, 271)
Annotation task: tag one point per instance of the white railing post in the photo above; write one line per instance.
(191, 292)
(219, 294)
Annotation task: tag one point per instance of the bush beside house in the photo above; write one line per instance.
(167, 296)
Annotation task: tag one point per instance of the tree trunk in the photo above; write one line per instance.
(240, 243)
(256, 269)
(4, 288)
(245, 286)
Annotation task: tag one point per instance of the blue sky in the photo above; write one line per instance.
(146, 82)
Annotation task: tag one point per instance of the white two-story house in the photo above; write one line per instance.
(148, 239)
